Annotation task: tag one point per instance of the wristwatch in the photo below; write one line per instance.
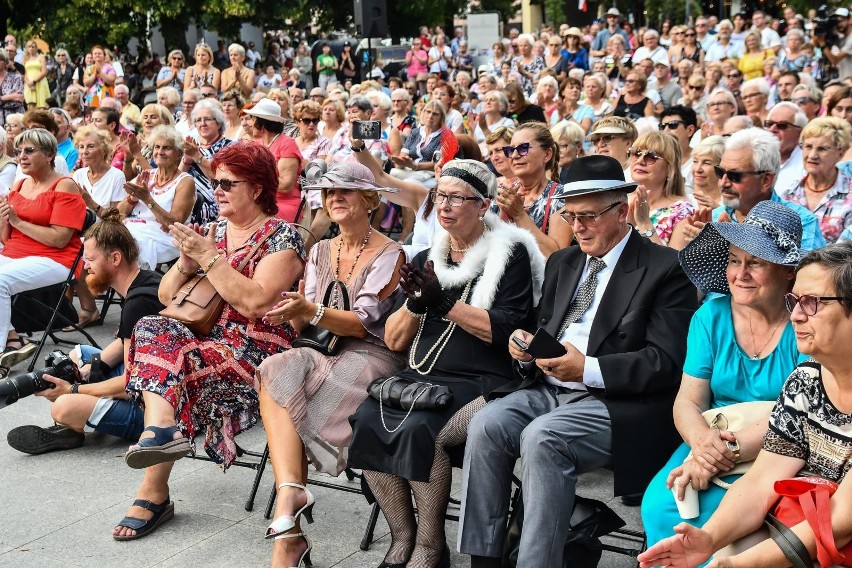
(647, 234)
(357, 149)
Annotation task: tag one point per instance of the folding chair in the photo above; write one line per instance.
(259, 466)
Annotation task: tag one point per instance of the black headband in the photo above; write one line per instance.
(468, 178)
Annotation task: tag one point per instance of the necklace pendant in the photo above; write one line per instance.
(755, 357)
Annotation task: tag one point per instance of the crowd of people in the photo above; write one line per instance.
(587, 241)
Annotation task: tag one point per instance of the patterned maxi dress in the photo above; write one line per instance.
(210, 380)
(321, 392)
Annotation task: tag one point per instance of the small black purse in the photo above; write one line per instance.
(409, 395)
(318, 338)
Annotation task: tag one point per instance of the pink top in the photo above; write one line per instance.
(288, 203)
(414, 65)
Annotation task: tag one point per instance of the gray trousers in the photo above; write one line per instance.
(559, 434)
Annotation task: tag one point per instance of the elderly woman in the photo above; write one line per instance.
(500, 137)
(157, 198)
(169, 364)
(570, 108)
(808, 98)
(594, 89)
(705, 157)
(307, 397)
(721, 105)
(136, 149)
(633, 103)
(282, 98)
(333, 119)
(169, 97)
(39, 220)
(209, 122)
(203, 72)
(530, 204)
(613, 136)
(382, 106)
(520, 109)
(493, 115)
(453, 324)
(569, 137)
(237, 76)
(546, 97)
(173, 74)
(808, 434)
(754, 94)
(11, 89)
(825, 190)
(400, 117)
(554, 60)
(232, 104)
(658, 207)
(99, 78)
(420, 148)
(526, 63)
(792, 56)
(101, 184)
(740, 346)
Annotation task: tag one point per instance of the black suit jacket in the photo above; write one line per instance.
(639, 337)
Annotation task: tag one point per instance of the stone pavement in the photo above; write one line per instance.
(57, 510)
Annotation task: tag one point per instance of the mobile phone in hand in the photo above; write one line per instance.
(522, 345)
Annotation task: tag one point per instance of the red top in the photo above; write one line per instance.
(48, 208)
(288, 204)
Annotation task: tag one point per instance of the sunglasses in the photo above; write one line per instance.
(733, 75)
(690, 35)
(28, 151)
(696, 87)
(307, 121)
(650, 156)
(671, 125)
(226, 184)
(606, 139)
(207, 95)
(807, 302)
(803, 101)
(780, 125)
(521, 149)
(733, 175)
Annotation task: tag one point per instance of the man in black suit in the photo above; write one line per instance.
(621, 306)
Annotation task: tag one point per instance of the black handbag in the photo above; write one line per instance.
(407, 394)
(321, 339)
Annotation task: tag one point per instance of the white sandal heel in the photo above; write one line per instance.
(285, 523)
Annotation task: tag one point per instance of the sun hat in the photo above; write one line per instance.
(593, 174)
(482, 70)
(574, 32)
(613, 12)
(343, 175)
(266, 109)
(771, 231)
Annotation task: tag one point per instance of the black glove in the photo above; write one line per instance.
(410, 289)
(432, 295)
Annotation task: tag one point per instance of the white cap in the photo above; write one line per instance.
(613, 12)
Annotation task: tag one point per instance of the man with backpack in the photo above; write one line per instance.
(99, 403)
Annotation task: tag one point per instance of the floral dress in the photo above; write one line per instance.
(533, 69)
(210, 380)
(99, 89)
(834, 210)
(666, 218)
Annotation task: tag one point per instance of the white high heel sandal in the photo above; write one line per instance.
(306, 555)
(285, 523)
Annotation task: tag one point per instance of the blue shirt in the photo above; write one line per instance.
(812, 237)
(68, 151)
(712, 353)
(599, 43)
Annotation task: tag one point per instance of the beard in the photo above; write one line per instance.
(98, 283)
(731, 200)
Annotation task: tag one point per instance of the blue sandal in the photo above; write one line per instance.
(162, 513)
(162, 447)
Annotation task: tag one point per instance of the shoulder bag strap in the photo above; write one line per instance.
(546, 220)
(790, 544)
(343, 293)
(254, 249)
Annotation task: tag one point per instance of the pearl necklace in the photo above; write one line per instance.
(442, 341)
(756, 356)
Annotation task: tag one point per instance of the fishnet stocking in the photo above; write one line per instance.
(394, 497)
(433, 496)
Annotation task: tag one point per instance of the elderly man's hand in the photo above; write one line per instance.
(567, 368)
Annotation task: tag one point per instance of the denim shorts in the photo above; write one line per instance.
(117, 417)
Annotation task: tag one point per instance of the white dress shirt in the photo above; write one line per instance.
(791, 173)
(577, 334)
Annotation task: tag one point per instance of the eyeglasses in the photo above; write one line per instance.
(780, 125)
(671, 125)
(28, 151)
(696, 87)
(307, 121)
(820, 150)
(439, 199)
(606, 139)
(203, 119)
(751, 96)
(733, 175)
(522, 149)
(689, 35)
(807, 302)
(803, 101)
(650, 156)
(225, 184)
(718, 104)
(585, 219)
(733, 75)
(207, 95)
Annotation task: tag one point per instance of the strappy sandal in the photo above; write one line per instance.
(162, 447)
(162, 513)
(306, 555)
(87, 318)
(13, 355)
(284, 523)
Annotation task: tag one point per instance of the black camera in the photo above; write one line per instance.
(367, 130)
(825, 26)
(57, 364)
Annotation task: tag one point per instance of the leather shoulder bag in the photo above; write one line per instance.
(321, 339)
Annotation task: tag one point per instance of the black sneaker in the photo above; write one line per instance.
(37, 440)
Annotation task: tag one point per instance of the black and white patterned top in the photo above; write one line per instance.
(806, 425)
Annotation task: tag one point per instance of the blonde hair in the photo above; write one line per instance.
(102, 137)
(569, 130)
(835, 128)
(206, 49)
(713, 146)
(630, 132)
(668, 147)
(164, 113)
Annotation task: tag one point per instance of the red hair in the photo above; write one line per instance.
(255, 164)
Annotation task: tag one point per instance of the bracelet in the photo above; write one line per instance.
(445, 304)
(187, 273)
(318, 315)
(75, 388)
(210, 264)
(411, 312)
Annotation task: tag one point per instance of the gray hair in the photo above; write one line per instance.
(240, 50)
(463, 74)
(834, 259)
(196, 92)
(569, 130)
(728, 96)
(764, 146)
(711, 146)
(124, 88)
(402, 93)
(527, 38)
(40, 138)
(171, 94)
(813, 92)
(761, 84)
(548, 80)
(796, 32)
(727, 23)
(738, 122)
(502, 101)
(800, 119)
(360, 101)
(61, 51)
(62, 112)
(379, 99)
(651, 32)
(215, 109)
(474, 169)
(167, 132)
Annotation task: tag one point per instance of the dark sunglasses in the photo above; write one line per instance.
(650, 156)
(522, 149)
(690, 35)
(307, 121)
(697, 87)
(226, 184)
(207, 95)
(28, 151)
(733, 75)
(733, 175)
(780, 125)
(671, 125)
(807, 302)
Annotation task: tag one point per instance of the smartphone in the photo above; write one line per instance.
(522, 345)
(366, 130)
(545, 346)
